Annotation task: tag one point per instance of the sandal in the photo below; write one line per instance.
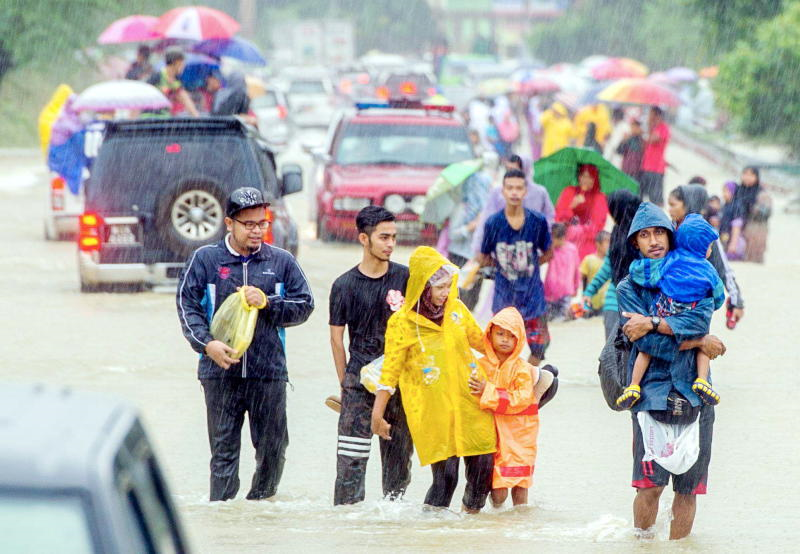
(334, 402)
(702, 388)
(629, 397)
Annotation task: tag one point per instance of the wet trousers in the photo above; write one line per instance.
(478, 471)
(227, 401)
(355, 438)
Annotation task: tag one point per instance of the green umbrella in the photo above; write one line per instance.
(443, 196)
(560, 170)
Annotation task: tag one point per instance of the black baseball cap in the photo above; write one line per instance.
(243, 198)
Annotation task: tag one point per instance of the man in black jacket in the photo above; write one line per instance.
(255, 382)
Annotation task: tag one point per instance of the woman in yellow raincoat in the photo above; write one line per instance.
(557, 129)
(428, 354)
(512, 392)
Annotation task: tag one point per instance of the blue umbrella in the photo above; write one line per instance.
(197, 68)
(235, 47)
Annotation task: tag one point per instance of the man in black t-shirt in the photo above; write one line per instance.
(362, 300)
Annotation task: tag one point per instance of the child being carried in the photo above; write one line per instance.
(684, 277)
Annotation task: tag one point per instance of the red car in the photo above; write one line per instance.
(389, 157)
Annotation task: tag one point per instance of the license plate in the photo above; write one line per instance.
(122, 235)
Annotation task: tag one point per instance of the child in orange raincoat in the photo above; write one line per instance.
(512, 391)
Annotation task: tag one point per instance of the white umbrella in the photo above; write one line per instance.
(121, 94)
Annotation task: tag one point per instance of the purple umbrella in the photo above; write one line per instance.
(681, 75)
(122, 94)
(235, 47)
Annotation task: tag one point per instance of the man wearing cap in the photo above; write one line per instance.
(254, 382)
(666, 386)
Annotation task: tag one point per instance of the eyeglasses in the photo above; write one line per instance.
(251, 225)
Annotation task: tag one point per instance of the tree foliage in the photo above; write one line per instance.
(660, 33)
(759, 81)
(729, 21)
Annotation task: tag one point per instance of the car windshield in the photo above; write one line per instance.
(403, 144)
(23, 517)
(307, 87)
(267, 100)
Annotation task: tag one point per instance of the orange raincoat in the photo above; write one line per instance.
(509, 394)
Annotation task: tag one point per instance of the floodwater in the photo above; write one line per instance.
(130, 345)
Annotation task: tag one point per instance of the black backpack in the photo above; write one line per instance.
(613, 367)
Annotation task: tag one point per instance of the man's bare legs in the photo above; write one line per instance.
(645, 511)
(499, 497)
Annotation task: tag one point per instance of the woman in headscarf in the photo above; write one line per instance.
(583, 209)
(622, 206)
(734, 222)
(692, 199)
(428, 354)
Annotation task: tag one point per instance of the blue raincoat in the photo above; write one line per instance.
(669, 368)
(684, 274)
(68, 160)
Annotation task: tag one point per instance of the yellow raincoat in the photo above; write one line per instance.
(432, 366)
(510, 394)
(557, 129)
(597, 114)
(50, 113)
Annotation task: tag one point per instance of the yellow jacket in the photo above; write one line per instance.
(50, 113)
(432, 365)
(556, 129)
(597, 114)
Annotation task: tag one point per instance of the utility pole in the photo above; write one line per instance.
(247, 17)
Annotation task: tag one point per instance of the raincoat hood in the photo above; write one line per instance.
(425, 261)
(695, 234)
(511, 320)
(695, 198)
(650, 215)
(559, 108)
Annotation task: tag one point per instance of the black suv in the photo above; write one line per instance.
(157, 192)
(78, 474)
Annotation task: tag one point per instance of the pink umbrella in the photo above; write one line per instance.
(134, 28)
(538, 85)
(196, 23)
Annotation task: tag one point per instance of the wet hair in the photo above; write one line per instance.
(172, 56)
(143, 50)
(714, 198)
(372, 216)
(618, 114)
(515, 174)
(602, 236)
(515, 159)
(698, 180)
(558, 231)
(754, 170)
(657, 111)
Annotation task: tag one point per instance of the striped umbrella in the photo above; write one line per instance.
(196, 23)
(639, 91)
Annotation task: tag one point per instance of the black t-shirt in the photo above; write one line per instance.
(364, 305)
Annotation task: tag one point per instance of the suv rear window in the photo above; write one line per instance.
(370, 143)
(135, 168)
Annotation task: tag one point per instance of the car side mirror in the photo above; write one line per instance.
(292, 179)
(490, 160)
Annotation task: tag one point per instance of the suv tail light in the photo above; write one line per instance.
(89, 234)
(57, 186)
(269, 238)
(282, 112)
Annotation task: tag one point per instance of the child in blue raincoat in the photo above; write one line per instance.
(684, 277)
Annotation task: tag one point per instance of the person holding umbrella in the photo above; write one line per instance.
(583, 209)
(168, 81)
(141, 69)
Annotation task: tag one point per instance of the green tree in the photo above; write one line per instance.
(759, 81)
(729, 21)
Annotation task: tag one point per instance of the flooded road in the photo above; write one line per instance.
(130, 345)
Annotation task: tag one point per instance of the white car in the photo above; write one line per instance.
(311, 101)
(272, 112)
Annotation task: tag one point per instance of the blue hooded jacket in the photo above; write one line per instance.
(684, 274)
(669, 369)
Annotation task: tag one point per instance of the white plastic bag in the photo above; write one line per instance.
(673, 447)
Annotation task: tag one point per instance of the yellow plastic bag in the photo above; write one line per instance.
(371, 374)
(235, 322)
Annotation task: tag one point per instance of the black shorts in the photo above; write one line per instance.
(651, 184)
(649, 474)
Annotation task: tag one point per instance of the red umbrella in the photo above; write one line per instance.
(618, 68)
(196, 23)
(134, 28)
(639, 91)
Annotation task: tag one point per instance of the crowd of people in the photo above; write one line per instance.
(655, 278)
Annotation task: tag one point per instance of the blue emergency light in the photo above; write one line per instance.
(371, 105)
